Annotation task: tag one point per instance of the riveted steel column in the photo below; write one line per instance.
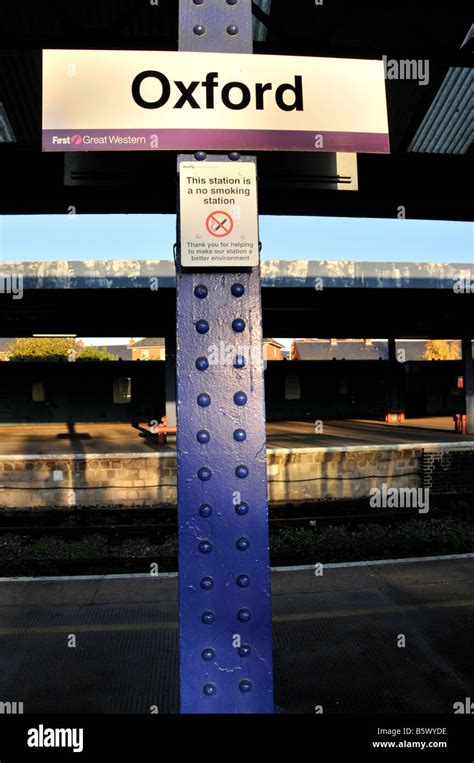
(224, 574)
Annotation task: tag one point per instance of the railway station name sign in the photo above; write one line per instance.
(115, 100)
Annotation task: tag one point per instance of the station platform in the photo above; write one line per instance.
(336, 640)
(122, 465)
(44, 439)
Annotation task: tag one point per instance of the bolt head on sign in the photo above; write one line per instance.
(218, 214)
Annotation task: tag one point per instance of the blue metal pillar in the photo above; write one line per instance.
(224, 573)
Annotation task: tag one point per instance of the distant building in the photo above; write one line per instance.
(360, 349)
(150, 348)
(272, 350)
(338, 349)
(153, 348)
(122, 351)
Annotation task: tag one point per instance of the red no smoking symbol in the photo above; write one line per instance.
(219, 224)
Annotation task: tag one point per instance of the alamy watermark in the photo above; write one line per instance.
(237, 355)
(413, 69)
(11, 708)
(466, 707)
(400, 498)
(50, 737)
(464, 284)
(12, 284)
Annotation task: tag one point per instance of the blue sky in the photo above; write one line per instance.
(151, 237)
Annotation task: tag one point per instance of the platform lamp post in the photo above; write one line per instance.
(468, 363)
(224, 580)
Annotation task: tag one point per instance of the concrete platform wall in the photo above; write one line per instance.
(316, 474)
(302, 474)
(88, 480)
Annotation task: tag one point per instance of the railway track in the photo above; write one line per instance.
(128, 536)
(170, 527)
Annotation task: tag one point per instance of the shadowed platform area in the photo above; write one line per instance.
(336, 641)
(34, 439)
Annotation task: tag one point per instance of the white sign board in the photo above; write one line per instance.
(125, 100)
(218, 214)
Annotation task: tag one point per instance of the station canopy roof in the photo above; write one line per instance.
(430, 127)
(410, 300)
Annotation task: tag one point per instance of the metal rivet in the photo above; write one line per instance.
(238, 325)
(239, 361)
(207, 583)
(240, 435)
(232, 29)
(237, 289)
(234, 156)
(204, 399)
(202, 327)
(243, 581)
(209, 654)
(240, 398)
(244, 650)
(204, 473)
(205, 547)
(242, 508)
(243, 544)
(241, 471)
(207, 618)
(202, 364)
(200, 156)
(200, 291)
(245, 685)
(199, 29)
(200, 2)
(243, 615)
(209, 690)
(203, 436)
(231, 2)
(205, 510)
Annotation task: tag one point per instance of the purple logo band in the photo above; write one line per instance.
(214, 140)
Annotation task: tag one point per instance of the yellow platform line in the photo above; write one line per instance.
(298, 617)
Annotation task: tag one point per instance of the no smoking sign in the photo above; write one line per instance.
(218, 221)
(219, 224)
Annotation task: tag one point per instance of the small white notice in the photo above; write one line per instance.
(218, 214)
